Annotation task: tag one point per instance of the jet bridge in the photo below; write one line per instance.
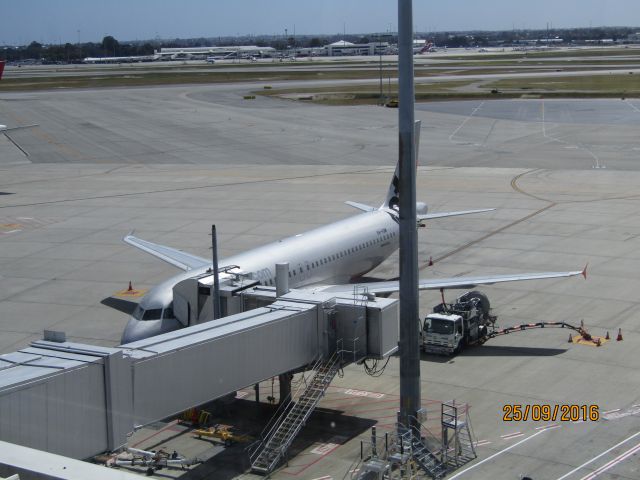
(79, 400)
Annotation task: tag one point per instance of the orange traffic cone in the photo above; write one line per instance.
(619, 339)
(130, 289)
(430, 262)
(570, 339)
(607, 336)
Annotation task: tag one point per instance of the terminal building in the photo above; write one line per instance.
(343, 48)
(201, 53)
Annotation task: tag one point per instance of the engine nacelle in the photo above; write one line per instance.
(421, 208)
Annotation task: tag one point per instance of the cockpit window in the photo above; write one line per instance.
(137, 313)
(168, 313)
(152, 314)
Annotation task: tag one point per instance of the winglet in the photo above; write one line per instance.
(584, 271)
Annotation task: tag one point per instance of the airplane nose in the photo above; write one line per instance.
(138, 330)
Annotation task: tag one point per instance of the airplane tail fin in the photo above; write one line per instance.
(393, 194)
(1, 68)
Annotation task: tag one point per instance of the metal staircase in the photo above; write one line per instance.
(279, 437)
(457, 441)
(412, 442)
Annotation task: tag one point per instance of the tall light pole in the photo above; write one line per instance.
(408, 345)
(380, 53)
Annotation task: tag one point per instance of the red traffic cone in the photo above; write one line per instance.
(607, 336)
(619, 339)
(570, 339)
(130, 289)
(430, 262)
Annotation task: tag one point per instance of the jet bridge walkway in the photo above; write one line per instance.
(79, 400)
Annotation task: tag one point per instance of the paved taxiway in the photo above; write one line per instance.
(171, 161)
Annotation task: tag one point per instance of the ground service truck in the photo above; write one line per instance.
(453, 326)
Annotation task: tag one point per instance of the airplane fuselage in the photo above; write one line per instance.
(335, 253)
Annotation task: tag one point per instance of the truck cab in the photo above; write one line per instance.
(442, 333)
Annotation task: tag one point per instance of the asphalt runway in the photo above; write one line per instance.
(170, 161)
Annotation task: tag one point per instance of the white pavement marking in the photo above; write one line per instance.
(598, 456)
(324, 448)
(597, 165)
(615, 415)
(620, 458)
(632, 106)
(551, 425)
(363, 393)
(465, 121)
(497, 453)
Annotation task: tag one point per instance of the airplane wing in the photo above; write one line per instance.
(431, 216)
(178, 258)
(444, 283)
(4, 128)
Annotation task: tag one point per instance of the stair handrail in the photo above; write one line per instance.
(276, 421)
(273, 423)
(295, 427)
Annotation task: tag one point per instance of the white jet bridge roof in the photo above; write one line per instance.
(33, 362)
(214, 330)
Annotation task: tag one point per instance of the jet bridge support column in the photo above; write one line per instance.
(285, 387)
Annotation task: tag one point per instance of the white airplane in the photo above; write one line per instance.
(336, 253)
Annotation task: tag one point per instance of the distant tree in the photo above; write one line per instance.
(315, 42)
(457, 41)
(34, 50)
(110, 46)
(146, 49)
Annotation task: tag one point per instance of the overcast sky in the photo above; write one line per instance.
(54, 21)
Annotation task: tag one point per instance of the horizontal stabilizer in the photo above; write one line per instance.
(431, 216)
(178, 258)
(361, 206)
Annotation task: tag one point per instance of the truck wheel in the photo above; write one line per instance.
(483, 301)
